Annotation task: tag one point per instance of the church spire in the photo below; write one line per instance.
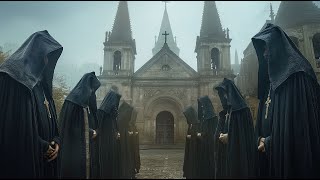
(165, 26)
(211, 24)
(271, 13)
(121, 30)
(236, 59)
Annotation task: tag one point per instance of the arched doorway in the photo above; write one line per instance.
(164, 128)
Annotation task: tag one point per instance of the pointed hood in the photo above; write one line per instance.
(110, 102)
(191, 115)
(205, 109)
(284, 58)
(227, 89)
(121, 31)
(165, 26)
(27, 64)
(85, 89)
(296, 13)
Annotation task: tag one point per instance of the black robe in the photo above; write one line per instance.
(192, 146)
(134, 140)
(239, 124)
(209, 121)
(221, 148)
(109, 142)
(127, 164)
(74, 127)
(25, 126)
(293, 144)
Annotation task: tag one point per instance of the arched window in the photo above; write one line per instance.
(316, 48)
(295, 41)
(117, 61)
(215, 58)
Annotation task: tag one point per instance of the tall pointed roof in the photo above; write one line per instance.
(236, 59)
(121, 30)
(297, 13)
(165, 26)
(211, 24)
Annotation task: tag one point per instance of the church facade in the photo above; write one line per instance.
(165, 85)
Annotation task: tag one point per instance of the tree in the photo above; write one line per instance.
(59, 92)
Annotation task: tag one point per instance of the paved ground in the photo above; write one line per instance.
(161, 164)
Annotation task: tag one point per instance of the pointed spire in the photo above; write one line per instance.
(271, 13)
(165, 26)
(121, 30)
(211, 24)
(297, 13)
(236, 59)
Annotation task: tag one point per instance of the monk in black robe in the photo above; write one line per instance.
(192, 146)
(75, 131)
(29, 138)
(134, 140)
(209, 121)
(239, 133)
(125, 113)
(109, 137)
(288, 124)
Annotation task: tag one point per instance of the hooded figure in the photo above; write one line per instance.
(75, 131)
(109, 137)
(287, 128)
(125, 114)
(208, 120)
(134, 140)
(235, 134)
(193, 144)
(27, 111)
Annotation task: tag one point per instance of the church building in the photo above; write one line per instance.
(165, 85)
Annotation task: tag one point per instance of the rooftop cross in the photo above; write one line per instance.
(165, 36)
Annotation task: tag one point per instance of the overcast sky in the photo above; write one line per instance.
(80, 26)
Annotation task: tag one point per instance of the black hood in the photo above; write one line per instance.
(110, 102)
(191, 115)
(27, 64)
(84, 90)
(125, 113)
(233, 95)
(205, 109)
(285, 58)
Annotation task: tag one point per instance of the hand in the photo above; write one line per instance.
(261, 145)
(199, 134)
(189, 136)
(54, 154)
(130, 133)
(49, 151)
(223, 138)
(94, 134)
(118, 135)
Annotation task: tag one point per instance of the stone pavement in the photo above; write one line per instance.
(161, 163)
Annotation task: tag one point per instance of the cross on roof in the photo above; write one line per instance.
(165, 36)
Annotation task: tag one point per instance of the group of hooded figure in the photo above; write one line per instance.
(83, 142)
(285, 141)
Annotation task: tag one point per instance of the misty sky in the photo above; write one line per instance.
(80, 26)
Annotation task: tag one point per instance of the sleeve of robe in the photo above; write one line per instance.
(295, 143)
(18, 131)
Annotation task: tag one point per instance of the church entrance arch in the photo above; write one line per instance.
(164, 128)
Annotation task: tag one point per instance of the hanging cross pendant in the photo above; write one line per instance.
(268, 101)
(227, 115)
(46, 103)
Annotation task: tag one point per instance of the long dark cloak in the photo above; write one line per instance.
(109, 143)
(191, 154)
(241, 144)
(209, 121)
(220, 148)
(294, 143)
(134, 140)
(75, 131)
(25, 127)
(125, 113)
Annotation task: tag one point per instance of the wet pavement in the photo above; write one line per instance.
(161, 164)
